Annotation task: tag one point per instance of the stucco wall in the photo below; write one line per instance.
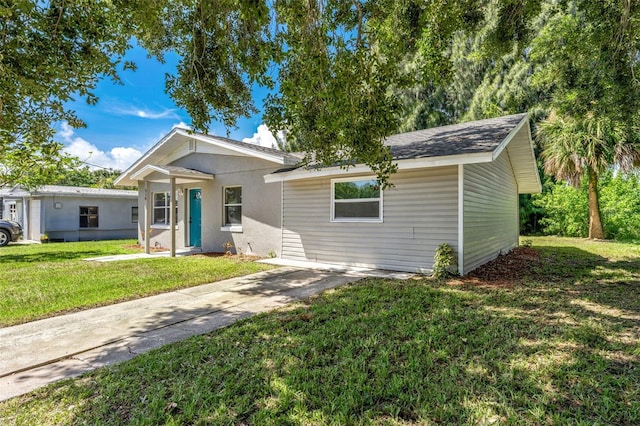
(261, 214)
(63, 223)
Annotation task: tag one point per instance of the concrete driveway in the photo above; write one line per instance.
(42, 352)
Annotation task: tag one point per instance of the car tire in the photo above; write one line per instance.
(4, 238)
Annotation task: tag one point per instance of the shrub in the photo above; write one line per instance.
(444, 262)
(566, 208)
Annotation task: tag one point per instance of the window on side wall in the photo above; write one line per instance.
(162, 208)
(134, 214)
(356, 200)
(232, 206)
(88, 216)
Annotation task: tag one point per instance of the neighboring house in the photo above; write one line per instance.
(69, 213)
(455, 184)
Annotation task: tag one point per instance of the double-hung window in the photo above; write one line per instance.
(356, 200)
(162, 208)
(88, 217)
(232, 206)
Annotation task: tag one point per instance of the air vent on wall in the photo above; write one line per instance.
(192, 145)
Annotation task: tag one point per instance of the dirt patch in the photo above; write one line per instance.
(141, 248)
(506, 268)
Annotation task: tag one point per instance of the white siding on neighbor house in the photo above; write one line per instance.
(419, 214)
(491, 223)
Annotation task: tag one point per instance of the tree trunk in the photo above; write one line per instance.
(595, 222)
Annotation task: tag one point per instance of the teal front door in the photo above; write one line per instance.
(195, 217)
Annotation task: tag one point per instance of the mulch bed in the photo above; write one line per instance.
(506, 268)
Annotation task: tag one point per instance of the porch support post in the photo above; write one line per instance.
(172, 215)
(148, 199)
(26, 226)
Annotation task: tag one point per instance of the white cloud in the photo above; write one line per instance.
(119, 158)
(263, 137)
(181, 125)
(145, 113)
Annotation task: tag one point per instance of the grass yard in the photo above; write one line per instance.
(38, 281)
(558, 345)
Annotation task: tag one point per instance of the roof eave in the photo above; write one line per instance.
(408, 164)
(123, 179)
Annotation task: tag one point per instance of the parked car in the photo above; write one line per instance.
(9, 231)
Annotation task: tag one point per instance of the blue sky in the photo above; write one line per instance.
(132, 117)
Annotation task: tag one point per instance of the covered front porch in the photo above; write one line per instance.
(174, 180)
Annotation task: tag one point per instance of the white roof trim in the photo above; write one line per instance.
(533, 155)
(125, 174)
(187, 173)
(212, 140)
(413, 163)
(510, 136)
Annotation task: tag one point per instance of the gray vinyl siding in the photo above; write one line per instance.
(419, 213)
(490, 211)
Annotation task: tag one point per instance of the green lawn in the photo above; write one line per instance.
(559, 346)
(38, 281)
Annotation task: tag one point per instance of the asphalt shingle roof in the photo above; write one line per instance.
(456, 139)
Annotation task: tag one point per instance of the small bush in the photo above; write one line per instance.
(445, 262)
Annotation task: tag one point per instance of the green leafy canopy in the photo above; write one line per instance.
(335, 65)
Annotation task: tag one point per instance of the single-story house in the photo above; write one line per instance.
(70, 213)
(455, 184)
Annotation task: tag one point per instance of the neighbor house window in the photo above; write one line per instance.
(13, 212)
(233, 206)
(89, 217)
(161, 208)
(134, 214)
(356, 200)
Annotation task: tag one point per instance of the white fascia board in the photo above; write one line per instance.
(302, 173)
(99, 196)
(510, 136)
(151, 168)
(445, 160)
(416, 163)
(535, 165)
(146, 171)
(125, 175)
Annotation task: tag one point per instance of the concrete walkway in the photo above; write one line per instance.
(42, 352)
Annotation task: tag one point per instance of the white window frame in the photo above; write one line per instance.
(167, 207)
(225, 226)
(378, 219)
(13, 211)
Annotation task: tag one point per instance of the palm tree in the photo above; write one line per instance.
(573, 148)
